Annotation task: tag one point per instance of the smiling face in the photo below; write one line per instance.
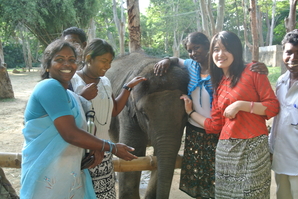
(222, 57)
(63, 66)
(197, 52)
(290, 58)
(100, 64)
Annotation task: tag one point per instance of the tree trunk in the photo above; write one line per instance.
(205, 27)
(246, 41)
(92, 30)
(29, 55)
(210, 17)
(254, 25)
(110, 35)
(5, 84)
(237, 14)
(290, 21)
(260, 26)
(272, 23)
(133, 11)
(220, 14)
(120, 26)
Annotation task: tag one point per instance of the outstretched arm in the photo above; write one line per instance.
(121, 100)
(68, 130)
(162, 66)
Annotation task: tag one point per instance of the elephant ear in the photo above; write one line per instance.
(131, 105)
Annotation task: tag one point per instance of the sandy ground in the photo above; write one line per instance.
(11, 139)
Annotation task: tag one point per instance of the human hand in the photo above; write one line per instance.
(122, 152)
(259, 67)
(161, 67)
(187, 103)
(231, 111)
(135, 81)
(98, 157)
(89, 91)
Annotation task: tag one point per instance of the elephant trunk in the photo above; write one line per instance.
(166, 151)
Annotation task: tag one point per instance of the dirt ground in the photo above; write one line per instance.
(11, 138)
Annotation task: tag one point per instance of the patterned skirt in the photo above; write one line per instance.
(243, 168)
(198, 163)
(103, 178)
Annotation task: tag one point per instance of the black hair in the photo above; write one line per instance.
(98, 47)
(233, 45)
(197, 38)
(76, 31)
(49, 54)
(290, 37)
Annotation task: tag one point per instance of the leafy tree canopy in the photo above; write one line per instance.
(47, 19)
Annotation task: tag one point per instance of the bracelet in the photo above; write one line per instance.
(111, 146)
(126, 87)
(103, 145)
(251, 106)
(191, 113)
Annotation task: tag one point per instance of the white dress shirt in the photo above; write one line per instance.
(283, 139)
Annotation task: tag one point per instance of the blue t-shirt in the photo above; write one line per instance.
(50, 98)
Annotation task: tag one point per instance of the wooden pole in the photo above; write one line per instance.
(13, 160)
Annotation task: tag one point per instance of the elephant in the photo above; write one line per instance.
(154, 115)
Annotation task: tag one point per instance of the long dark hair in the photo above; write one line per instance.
(233, 45)
(49, 54)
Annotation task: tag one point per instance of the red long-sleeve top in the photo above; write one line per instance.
(252, 86)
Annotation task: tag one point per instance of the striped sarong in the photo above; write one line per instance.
(243, 169)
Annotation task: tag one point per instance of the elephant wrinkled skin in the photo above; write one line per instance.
(154, 115)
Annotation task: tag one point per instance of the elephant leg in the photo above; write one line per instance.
(152, 186)
(129, 183)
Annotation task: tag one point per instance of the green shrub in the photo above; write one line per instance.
(274, 73)
(13, 55)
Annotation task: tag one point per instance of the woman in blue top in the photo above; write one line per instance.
(197, 170)
(198, 164)
(54, 135)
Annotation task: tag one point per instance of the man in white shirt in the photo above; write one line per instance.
(283, 138)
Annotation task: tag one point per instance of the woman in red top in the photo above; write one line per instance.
(243, 100)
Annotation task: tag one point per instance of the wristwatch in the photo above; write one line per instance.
(126, 87)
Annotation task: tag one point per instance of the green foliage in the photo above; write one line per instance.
(106, 27)
(166, 18)
(47, 19)
(282, 12)
(13, 55)
(274, 73)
